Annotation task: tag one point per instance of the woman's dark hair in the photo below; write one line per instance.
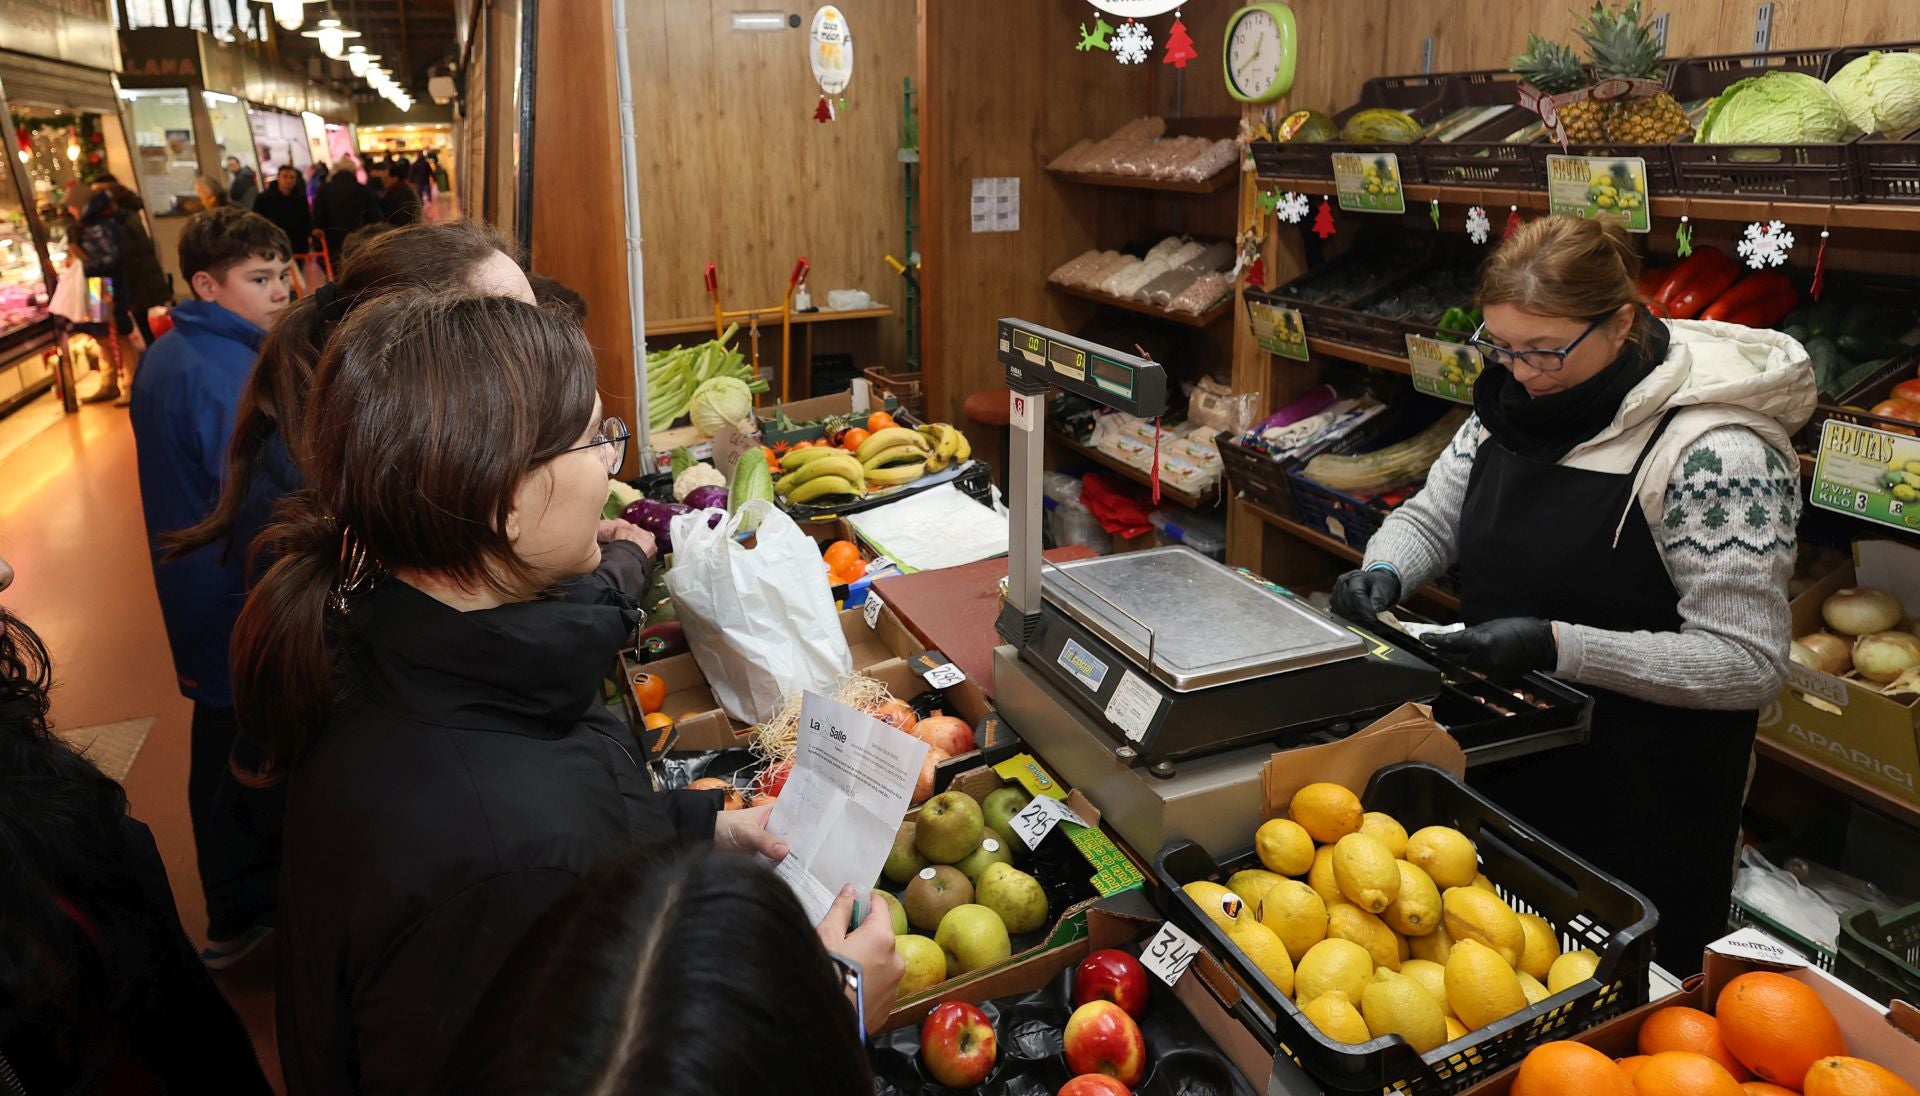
(558, 294)
(438, 257)
(426, 413)
(671, 969)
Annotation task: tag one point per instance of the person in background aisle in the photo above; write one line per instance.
(245, 186)
(554, 293)
(211, 192)
(569, 1013)
(1622, 507)
(285, 204)
(401, 202)
(342, 205)
(102, 240)
(185, 399)
(145, 284)
(435, 708)
(442, 182)
(316, 175)
(420, 177)
(99, 989)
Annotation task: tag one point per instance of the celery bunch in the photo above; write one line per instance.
(672, 376)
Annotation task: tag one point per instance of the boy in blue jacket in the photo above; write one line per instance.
(185, 399)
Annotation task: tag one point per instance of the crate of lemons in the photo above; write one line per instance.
(1373, 931)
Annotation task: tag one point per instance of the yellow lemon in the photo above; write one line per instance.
(1267, 953)
(1484, 884)
(1395, 1005)
(1416, 912)
(1332, 966)
(1432, 978)
(1222, 906)
(1531, 986)
(1327, 811)
(1365, 872)
(1434, 947)
(1251, 885)
(1444, 854)
(1481, 986)
(1333, 1013)
(1473, 914)
(1571, 969)
(1350, 922)
(1542, 948)
(1389, 832)
(1455, 1029)
(1296, 914)
(1322, 880)
(1284, 846)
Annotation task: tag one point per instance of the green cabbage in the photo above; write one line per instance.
(1880, 92)
(1779, 108)
(721, 402)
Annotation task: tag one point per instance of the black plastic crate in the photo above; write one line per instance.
(1345, 518)
(1799, 172)
(1419, 96)
(1586, 907)
(1482, 156)
(1879, 954)
(1255, 474)
(1659, 158)
(1888, 165)
(1331, 316)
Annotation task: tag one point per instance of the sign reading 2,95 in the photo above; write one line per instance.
(1871, 474)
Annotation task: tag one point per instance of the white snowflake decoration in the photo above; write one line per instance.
(1766, 244)
(1293, 208)
(1131, 42)
(1478, 227)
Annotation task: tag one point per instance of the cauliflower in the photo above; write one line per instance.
(699, 475)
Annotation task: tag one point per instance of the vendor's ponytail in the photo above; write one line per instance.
(285, 681)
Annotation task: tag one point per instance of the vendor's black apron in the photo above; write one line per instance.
(1654, 798)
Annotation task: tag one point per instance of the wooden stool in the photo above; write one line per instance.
(990, 408)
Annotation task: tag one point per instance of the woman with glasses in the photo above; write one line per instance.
(1622, 509)
(417, 665)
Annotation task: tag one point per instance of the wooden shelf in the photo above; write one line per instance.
(1852, 787)
(1204, 319)
(1341, 549)
(1219, 181)
(1865, 215)
(1372, 359)
(1168, 492)
(769, 317)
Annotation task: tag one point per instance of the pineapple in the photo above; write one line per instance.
(1554, 69)
(1621, 46)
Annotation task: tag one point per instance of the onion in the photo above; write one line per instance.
(1831, 653)
(898, 713)
(1862, 610)
(924, 786)
(1801, 654)
(1884, 656)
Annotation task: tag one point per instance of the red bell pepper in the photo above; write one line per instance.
(1758, 301)
(1651, 279)
(1692, 297)
(1703, 262)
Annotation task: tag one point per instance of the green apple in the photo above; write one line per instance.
(932, 893)
(903, 861)
(898, 911)
(972, 937)
(993, 849)
(949, 828)
(1014, 895)
(926, 964)
(1001, 804)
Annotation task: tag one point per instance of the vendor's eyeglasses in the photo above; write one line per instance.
(612, 438)
(1540, 361)
(852, 984)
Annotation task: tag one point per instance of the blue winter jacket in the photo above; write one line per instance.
(186, 396)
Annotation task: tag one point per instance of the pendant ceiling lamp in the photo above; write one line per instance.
(290, 13)
(332, 36)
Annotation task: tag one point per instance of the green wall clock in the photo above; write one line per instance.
(1258, 56)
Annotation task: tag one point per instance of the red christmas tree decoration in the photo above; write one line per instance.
(1820, 267)
(1323, 220)
(1257, 273)
(1513, 223)
(823, 112)
(1179, 45)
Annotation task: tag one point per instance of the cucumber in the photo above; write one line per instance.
(1797, 332)
(1828, 363)
(1796, 318)
(1859, 374)
(1823, 318)
(1870, 319)
(1861, 347)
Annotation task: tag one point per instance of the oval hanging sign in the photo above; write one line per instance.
(831, 50)
(1137, 9)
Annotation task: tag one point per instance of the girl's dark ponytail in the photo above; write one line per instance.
(285, 681)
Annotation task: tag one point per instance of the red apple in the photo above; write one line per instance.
(945, 732)
(1102, 1038)
(1111, 975)
(1094, 1084)
(958, 1045)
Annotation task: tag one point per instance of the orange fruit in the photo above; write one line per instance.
(1569, 1069)
(1762, 1088)
(1776, 1026)
(649, 691)
(879, 421)
(658, 720)
(1681, 1028)
(1631, 1066)
(851, 439)
(1684, 1073)
(841, 555)
(1842, 1076)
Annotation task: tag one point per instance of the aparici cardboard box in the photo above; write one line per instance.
(1847, 723)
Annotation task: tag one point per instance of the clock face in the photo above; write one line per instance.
(1253, 54)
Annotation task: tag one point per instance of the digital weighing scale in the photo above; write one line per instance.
(1159, 682)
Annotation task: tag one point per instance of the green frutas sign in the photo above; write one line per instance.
(1600, 186)
(1369, 182)
(1871, 474)
(1443, 369)
(1278, 330)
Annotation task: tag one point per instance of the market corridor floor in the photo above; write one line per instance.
(70, 524)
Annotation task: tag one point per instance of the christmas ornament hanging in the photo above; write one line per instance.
(1132, 43)
(1433, 210)
(1292, 208)
(1179, 45)
(1323, 219)
(1513, 223)
(1683, 237)
(1097, 37)
(1478, 226)
(1766, 244)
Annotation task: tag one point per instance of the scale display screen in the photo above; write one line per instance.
(1114, 377)
(1109, 377)
(1067, 361)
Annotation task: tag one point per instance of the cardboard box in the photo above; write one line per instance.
(1844, 723)
(859, 397)
(1888, 1038)
(1408, 733)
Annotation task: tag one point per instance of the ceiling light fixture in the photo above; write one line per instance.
(332, 36)
(291, 13)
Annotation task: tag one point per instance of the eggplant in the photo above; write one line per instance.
(709, 497)
(656, 518)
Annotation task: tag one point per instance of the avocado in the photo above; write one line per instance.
(1828, 363)
(1796, 331)
(1863, 346)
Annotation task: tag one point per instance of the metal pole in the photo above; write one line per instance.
(630, 179)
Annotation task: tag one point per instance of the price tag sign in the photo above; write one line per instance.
(1600, 186)
(944, 676)
(1369, 182)
(1278, 330)
(1443, 369)
(1872, 474)
(1040, 817)
(870, 609)
(1169, 953)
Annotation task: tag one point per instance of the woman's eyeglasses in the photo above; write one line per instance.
(851, 984)
(1540, 361)
(612, 444)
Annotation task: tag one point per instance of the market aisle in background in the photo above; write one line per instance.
(70, 524)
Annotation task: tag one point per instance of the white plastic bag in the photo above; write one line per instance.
(760, 621)
(69, 300)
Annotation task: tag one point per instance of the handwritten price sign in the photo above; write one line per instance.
(1040, 817)
(1169, 953)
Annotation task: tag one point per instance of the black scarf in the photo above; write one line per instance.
(1547, 428)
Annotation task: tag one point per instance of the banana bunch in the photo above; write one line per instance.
(895, 455)
(888, 458)
(818, 472)
(950, 446)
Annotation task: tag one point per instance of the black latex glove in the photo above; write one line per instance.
(1361, 596)
(1510, 645)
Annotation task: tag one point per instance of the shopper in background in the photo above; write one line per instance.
(441, 181)
(316, 175)
(342, 205)
(102, 240)
(285, 204)
(620, 989)
(145, 285)
(211, 192)
(99, 989)
(420, 176)
(401, 202)
(1622, 507)
(245, 186)
(451, 767)
(185, 399)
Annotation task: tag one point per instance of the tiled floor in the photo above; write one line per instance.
(70, 524)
